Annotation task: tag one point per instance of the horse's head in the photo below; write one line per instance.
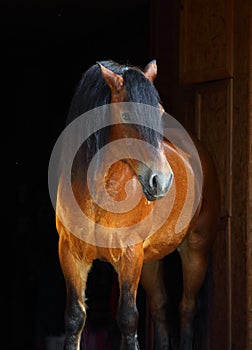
(139, 120)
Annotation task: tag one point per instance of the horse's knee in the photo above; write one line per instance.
(127, 313)
(159, 313)
(187, 309)
(127, 318)
(75, 316)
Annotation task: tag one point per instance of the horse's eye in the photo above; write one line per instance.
(126, 116)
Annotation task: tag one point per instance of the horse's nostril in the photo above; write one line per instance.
(154, 181)
(159, 184)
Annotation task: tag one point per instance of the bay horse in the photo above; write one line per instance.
(156, 174)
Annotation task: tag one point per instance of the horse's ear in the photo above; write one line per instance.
(114, 81)
(150, 71)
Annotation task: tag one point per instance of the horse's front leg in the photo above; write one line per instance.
(129, 271)
(75, 274)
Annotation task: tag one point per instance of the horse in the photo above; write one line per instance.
(149, 170)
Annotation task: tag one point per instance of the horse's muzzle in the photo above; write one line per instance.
(155, 185)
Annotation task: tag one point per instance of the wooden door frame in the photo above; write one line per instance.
(164, 46)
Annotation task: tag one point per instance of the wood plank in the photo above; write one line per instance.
(213, 107)
(206, 40)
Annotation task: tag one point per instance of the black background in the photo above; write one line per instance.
(46, 46)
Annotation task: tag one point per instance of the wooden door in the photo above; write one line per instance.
(204, 60)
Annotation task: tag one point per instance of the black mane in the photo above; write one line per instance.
(92, 92)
